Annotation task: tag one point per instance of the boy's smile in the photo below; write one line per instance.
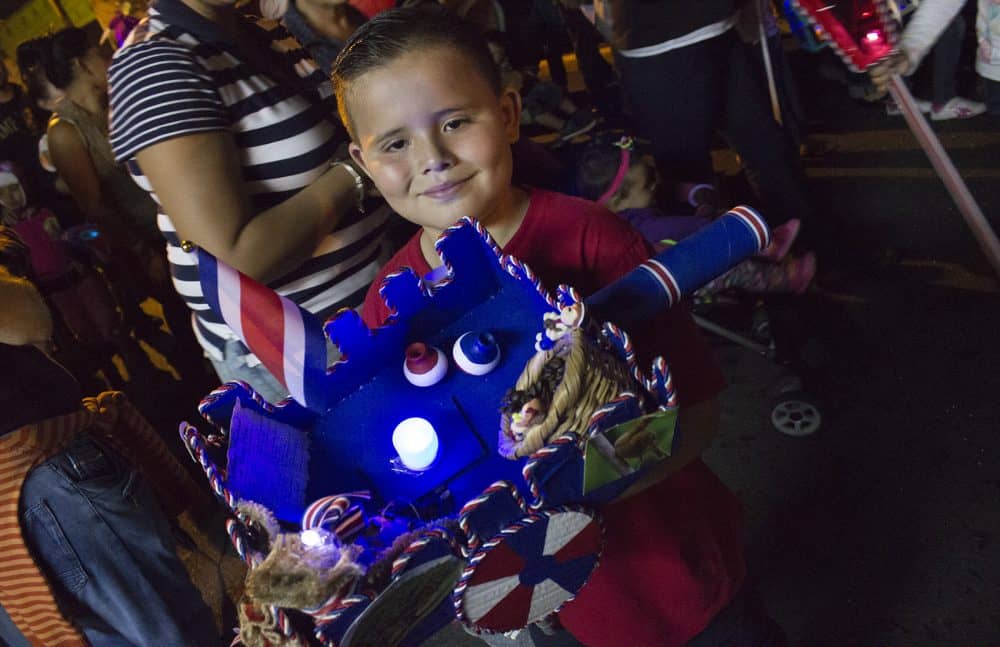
(435, 138)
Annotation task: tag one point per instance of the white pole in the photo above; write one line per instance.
(766, 52)
(956, 186)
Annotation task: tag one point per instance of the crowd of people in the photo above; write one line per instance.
(320, 145)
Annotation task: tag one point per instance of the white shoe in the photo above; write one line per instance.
(892, 109)
(957, 108)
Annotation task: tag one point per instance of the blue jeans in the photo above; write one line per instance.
(10, 635)
(99, 535)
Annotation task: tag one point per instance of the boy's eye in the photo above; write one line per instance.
(455, 124)
(394, 145)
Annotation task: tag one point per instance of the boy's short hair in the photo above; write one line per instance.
(398, 32)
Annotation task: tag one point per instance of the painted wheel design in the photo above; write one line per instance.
(529, 570)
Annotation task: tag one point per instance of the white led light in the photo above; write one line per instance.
(416, 442)
(312, 537)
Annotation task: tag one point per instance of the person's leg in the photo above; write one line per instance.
(992, 95)
(555, 41)
(676, 100)
(945, 57)
(106, 546)
(792, 115)
(597, 73)
(946, 102)
(524, 28)
(793, 275)
(766, 149)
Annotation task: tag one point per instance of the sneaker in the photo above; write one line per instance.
(892, 108)
(957, 108)
(782, 238)
(801, 272)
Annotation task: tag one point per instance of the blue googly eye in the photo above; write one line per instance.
(476, 352)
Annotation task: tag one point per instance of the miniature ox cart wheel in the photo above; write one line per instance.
(529, 570)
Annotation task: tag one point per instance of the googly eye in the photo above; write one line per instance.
(424, 365)
(476, 353)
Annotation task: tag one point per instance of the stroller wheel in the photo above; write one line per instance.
(795, 414)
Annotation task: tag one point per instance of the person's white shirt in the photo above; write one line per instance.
(928, 22)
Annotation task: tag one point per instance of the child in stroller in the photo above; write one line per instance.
(616, 176)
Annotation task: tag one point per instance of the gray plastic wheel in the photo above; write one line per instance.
(795, 414)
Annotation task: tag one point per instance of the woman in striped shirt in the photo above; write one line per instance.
(231, 127)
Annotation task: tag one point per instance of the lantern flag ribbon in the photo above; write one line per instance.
(288, 340)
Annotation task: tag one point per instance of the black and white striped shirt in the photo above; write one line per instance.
(177, 75)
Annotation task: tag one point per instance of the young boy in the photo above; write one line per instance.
(432, 126)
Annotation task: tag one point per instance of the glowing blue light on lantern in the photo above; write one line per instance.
(416, 442)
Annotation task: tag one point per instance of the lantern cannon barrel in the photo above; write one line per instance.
(664, 279)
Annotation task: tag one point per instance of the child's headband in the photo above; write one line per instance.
(627, 145)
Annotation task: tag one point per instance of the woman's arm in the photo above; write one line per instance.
(697, 426)
(76, 168)
(198, 180)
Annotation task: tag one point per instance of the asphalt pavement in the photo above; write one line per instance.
(881, 528)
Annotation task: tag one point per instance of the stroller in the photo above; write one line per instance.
(749, 322)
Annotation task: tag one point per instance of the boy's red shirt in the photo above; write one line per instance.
(673, 554)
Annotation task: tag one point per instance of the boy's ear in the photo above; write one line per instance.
(510, 109)
(358, 157)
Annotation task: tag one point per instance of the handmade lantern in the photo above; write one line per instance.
(514, 535)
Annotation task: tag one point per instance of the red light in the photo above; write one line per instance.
(873, 36)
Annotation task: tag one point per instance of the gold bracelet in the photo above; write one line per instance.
(359, 182)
